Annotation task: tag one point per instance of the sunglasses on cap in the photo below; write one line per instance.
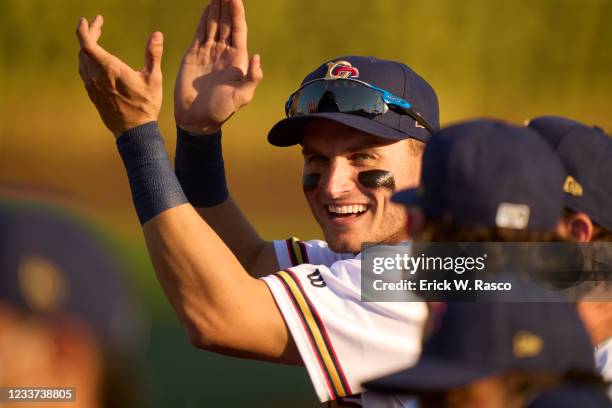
(349, 96)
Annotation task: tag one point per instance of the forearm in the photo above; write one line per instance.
(214, 297)
(200, 170)
(208, 287)
(255, 254)
(220, 306)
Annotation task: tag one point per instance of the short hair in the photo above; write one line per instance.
(415, 146)
(445, 231)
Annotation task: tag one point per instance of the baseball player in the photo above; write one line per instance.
(585, 152)
(66, 317)
(497, 355)
(571, 397)
(492, 354)
(361, 122)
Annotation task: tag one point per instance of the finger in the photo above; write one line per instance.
(225, 26)
(251, 80)
(95, 28)
(89, 45)
(212, 24)
(239, 25)
(153, 56)
(82, 31)
(200, 34)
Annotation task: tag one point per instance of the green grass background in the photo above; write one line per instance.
(510, 60)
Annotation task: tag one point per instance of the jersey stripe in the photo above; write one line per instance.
(326, 338)
(297, 251)
(309, 335)
(303, 251)
(316, 330)
(291, 251)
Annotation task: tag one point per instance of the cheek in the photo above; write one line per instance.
(310, 182)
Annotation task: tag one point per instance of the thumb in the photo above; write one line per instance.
(153, 55)
(251, 80)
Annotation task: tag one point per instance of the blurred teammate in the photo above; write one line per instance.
(586, 152)
(362, 123)
(496, 355)
(65, 318)
(489, 181)
(571, 397)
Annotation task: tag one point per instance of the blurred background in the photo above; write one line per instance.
(511, 60)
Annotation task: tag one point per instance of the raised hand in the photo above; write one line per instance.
(124, 98)
(216, 77)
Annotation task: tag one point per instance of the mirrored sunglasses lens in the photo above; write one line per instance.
(337, 96)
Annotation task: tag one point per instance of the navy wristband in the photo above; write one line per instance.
(200, 169)
(154, 185)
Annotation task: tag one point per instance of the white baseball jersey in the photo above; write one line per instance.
(603, 359)
(342, 340)
(293, 252)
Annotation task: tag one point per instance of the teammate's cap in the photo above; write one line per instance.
(477, 340)
(53, 263)
(394, 77)
(586, 153)
(487, 173)
(571, 396)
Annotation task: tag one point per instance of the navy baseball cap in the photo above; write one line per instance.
(478, 340)
(53, 262)
(586, 153)
(393, 77)
(487, 173)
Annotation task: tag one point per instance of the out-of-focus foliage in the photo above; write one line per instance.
(506, 59)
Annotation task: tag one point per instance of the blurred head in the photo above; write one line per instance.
(496, 355)
(66, 320)
(51, 351)
(571, 396)
(486, 179)
(362, 122)
(510, 390)
(585, 152)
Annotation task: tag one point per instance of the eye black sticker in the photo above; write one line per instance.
(377, 179)
(310, 181)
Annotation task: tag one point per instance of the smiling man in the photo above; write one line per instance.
(347, 193)
(354, 158)
(361, 122)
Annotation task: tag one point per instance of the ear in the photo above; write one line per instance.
(580, 227)
(416, 221)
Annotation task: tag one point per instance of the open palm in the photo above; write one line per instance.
(216, 77)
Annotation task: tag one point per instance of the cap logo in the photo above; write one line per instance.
(341, 70)
(526, 344)
(42, 284)
(572, 187)
(417, 124)
(515, 216)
